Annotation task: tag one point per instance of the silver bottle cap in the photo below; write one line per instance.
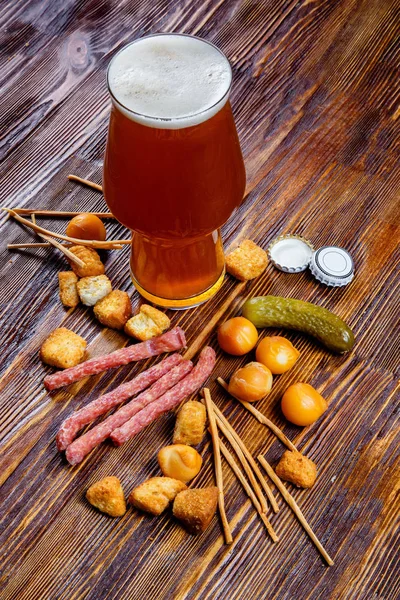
(332, 266)
(290, 253)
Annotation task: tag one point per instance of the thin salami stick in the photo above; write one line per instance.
(167, 342)
(190, 384)
(71, 426)
(77, 451)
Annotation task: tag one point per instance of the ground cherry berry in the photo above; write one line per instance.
(250, 383)
(277, 353)
(237, 336)
(86, 227)
(302, 404)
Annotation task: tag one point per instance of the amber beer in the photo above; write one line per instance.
(173, 169)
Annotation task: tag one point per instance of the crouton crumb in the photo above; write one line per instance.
(93, 289)
(190, 424)
(93, 265)
(148, 323)
(195, 508)
(297, 469)
(248, 261)
(155, 494)
(142, 327)
(114, 309)
(63, 349)
(67, 281)
(107, 495)
(157, 316)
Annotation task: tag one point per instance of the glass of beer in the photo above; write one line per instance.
(173, 168)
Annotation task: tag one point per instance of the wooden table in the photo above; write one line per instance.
(316, 100)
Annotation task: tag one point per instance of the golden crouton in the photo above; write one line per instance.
(63, 349)
(179, 461)
(248, 261)
(297, 469)
(93, 289)
(157, 316)
(195, 508)
(67, 281)
(93, 265)
(142, 327)
(155, 494)
(107, 495)
(149, 323)
(190, 424)
(114, 309)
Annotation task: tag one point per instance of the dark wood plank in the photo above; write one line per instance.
(316, 97)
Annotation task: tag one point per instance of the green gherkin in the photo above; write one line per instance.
(275, 311)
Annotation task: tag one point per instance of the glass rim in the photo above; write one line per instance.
(168, 119)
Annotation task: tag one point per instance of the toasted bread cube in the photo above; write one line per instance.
(297, 469)
(155, 494)
(157, 316)
(93, 265)
(63, 349)
(114, 309)
(93, 289)
(195, 508)
(190, 424)
(142, 327)
(67, 281)
(108, 496)
(248, 261)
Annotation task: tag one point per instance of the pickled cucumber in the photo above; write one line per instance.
(274, 311)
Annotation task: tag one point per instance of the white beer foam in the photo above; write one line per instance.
(169, 81)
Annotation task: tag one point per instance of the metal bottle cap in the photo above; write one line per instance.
(332, 266)
(290, 253)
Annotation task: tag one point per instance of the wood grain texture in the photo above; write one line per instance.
(316, 100)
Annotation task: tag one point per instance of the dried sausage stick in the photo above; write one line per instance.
(86, 442)
(167, 342)
(169, 400)
(74, 423)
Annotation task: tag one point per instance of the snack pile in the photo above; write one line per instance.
(171, 383)
(179, 463)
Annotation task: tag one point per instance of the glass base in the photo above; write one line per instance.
(184, 303)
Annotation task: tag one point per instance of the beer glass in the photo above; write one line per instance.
(173, 168)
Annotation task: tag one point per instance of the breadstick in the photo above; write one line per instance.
(249, 458)
(295, 508)
(261, 418)
(91, 184)
(235, 468)
(217, 465)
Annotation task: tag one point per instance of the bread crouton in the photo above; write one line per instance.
(67, 281)
(155, 494)
(195, 508)
(107, 495)
(149, 323)
(142, 327)
(93, 289)
(93, 265)
(190, 424)
(63, 349)
(157, 316)
(248, 261)
(114, 309)
(297, 469)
